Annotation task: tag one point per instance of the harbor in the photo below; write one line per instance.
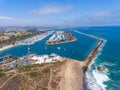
(29, 59)
(78, 49)
(67, 67)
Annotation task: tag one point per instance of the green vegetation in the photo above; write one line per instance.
(46, 70)
(33, 74)
(1, 70)
(28, 67)
(24, 68)
(17, 36)
(5, 70)
(44, 81)
(2, 73)
(38, 65)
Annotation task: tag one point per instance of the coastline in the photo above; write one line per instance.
(41, 38)
(34, 39)
(83, 65)
(6, 47)
(73, 72)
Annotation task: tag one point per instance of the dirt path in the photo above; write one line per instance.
(7, 81)
(72, 76)
(49, 85)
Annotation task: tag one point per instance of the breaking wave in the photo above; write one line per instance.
(94, 79)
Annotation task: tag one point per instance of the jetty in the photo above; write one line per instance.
(93, 53)
(88, 35)
(61, 73)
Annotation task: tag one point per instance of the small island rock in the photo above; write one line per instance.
(100, 68)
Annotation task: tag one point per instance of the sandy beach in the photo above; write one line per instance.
(6, 47)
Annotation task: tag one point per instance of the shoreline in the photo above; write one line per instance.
(6, 47)
(83, 65)
(32, 40)
(41, 38)
(73, 72)
(77, 79)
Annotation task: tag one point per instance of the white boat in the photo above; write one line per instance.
(58, 48)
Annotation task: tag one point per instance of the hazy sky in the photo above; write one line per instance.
(60, 12)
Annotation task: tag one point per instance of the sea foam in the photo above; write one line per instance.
(100, 78)
(95, 79)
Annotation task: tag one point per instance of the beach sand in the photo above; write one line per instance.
(6, 47)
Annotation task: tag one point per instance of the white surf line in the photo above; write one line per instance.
(6, 47)
(96, 75)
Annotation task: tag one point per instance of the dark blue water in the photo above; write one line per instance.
(109, 57)
(76, 50)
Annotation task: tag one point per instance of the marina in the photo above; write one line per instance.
(92, 44)
(34, 39)
(79, 52)
(45, 58)
(59, 45)
(61, 37)
(10, 62)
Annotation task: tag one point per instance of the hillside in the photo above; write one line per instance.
(64, 75)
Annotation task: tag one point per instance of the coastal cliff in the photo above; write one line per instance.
(64, 75)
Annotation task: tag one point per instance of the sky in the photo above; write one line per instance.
(60, 12)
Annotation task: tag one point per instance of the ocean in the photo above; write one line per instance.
(108, 56)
